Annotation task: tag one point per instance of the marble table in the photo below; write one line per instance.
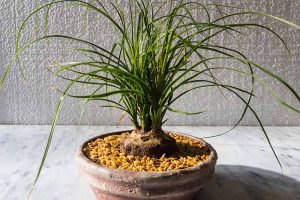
(246, 167)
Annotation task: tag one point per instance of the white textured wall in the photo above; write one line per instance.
(32, 100)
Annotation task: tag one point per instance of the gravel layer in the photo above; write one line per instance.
(106, 152)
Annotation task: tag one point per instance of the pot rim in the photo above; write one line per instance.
(84, 160)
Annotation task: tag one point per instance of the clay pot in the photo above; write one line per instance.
(118, 184)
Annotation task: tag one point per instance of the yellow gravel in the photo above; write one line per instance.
(106, 152)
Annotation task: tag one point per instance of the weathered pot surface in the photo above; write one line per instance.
(119, 184)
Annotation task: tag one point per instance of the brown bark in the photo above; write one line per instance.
(148, 143)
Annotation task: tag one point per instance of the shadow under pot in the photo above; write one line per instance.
(121, 184)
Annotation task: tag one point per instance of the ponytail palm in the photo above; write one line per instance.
(162, 52)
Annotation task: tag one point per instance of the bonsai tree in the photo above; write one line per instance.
(163, 51)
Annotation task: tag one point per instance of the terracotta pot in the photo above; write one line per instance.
(118, 184)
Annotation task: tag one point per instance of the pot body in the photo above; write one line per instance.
(118, 184)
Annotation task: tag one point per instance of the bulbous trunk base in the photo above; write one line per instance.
(148, 143)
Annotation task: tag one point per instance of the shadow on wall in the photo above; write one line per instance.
(233, 182)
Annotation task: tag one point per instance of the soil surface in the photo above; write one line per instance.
(106, 152)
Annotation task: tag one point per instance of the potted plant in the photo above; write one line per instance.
(161, 48)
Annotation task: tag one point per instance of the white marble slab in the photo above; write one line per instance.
(246, 167)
